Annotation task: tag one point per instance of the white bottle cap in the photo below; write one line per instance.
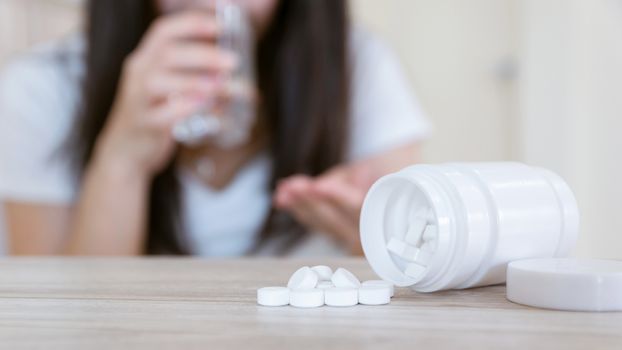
(566, 284)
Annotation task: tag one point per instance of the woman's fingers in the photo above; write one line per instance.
(198, 57)
(345, 196)
(177, 60)
(289, 197)
(165, 116)
(322, 215)
(166, 85)
(165, 34)
(166, 79)
(297, 195)
(286, 190)
(187, 25)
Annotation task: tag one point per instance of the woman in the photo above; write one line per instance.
(89, 164)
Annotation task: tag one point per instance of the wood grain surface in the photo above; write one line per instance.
(143, 303)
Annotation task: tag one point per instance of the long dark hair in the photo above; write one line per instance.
(303, 81)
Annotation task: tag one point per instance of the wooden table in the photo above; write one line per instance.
(64, 303)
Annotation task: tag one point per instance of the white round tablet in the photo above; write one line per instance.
(323, 272)
(325, 285)
(303, 278)
(306, 297)
(374, 295)
(345, 278)
(273, 296)
(341, 297)
(380, 283)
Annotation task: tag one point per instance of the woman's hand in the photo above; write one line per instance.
(173, 72)
(331, 203)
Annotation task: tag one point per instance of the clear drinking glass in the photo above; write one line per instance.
(227, 119)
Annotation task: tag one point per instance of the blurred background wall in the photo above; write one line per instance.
(538, 81)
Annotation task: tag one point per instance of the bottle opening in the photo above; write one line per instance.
(399, 230)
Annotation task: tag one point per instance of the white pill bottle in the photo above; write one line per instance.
(484, 216)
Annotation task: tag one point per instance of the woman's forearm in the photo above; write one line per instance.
(111, 213)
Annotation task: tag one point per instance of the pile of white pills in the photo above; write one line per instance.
(318, 285)
(417, 245)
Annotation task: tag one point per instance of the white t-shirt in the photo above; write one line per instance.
(40, 94)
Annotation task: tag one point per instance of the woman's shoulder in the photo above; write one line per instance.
(385, 113)
(57, 65)
(39, 97)
(366, 47)
(63, 52)
(43, 83)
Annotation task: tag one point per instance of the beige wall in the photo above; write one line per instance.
(571, 108)
(460, 56)
(531, 80)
